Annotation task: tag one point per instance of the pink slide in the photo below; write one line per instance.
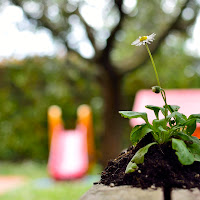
(72, 152)
(68, 158)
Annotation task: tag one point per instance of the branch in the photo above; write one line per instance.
(103, 58)
(184, 24)
(138, 60)
(110, 41)
(89, 30)
(45, 22)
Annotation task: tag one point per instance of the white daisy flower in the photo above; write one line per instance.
(144, 39)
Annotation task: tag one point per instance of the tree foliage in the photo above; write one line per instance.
(27, 89)
(113, 59)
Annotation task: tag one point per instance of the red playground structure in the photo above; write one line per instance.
(71, 151)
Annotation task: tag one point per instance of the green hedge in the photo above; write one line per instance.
(27, 89)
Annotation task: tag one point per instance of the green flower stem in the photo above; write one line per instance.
(165, 100)
(158, 81)
(153, 64)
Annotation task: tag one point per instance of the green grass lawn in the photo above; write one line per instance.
(40, 187)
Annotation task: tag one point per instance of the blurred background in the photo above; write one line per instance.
(73, 52)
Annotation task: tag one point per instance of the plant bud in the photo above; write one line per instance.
(156, 89)
(173, 122)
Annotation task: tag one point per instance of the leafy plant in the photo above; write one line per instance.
(174, 127)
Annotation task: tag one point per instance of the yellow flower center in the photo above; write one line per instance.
(143, 38)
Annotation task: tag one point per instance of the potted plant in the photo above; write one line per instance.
(164, 153)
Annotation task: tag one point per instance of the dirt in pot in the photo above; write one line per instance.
(161, 168)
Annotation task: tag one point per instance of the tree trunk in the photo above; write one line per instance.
(111, 144)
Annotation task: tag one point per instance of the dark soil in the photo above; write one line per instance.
(161, 168)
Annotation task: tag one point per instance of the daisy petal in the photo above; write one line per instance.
(135, 42)
(142, 40)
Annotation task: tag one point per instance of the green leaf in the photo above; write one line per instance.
(157, 124)
(191, 123)
(161, 129)
(156, 109)
(138, 132)
(195, 139)
(163, 110)
(131, 114)
(191, 126)
(138, 158)
(182, 136)
(174, 129)
(184, 155)
(179, 117)
(195, 148)
(196, 116)
(131, 167)
(173, 108)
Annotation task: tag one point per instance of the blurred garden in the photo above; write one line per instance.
(97, 67)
